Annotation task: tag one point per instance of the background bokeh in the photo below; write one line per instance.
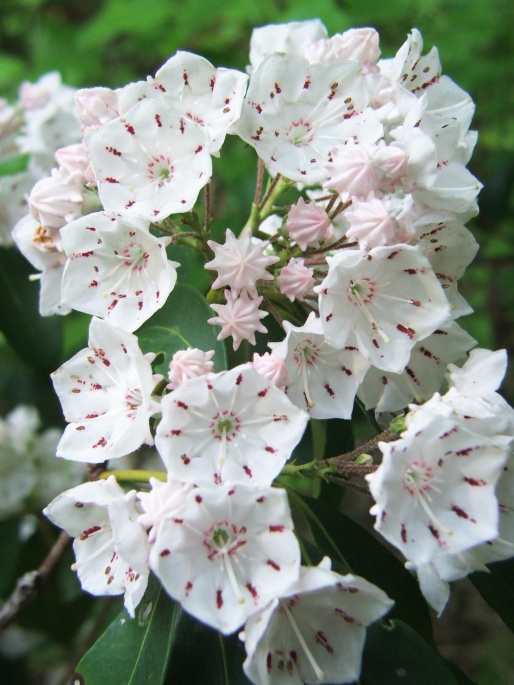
(112, 42)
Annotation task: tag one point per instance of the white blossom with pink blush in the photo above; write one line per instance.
(111, 547)
(308, 224)
(190, 363)
(321, 379)
(96, 107)
(106, 395)
(240, 262)
(296, 280)
(360, 44)
(315, 631)
(389, 298)
(240, 318)
(435, 488)
(150, 163)
(74, 159)
(227, 552)
(116, 269)
(161, 502)
(56, 200)
(232, 426)
(295, 111)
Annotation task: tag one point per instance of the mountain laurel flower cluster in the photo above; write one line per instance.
(357, 278)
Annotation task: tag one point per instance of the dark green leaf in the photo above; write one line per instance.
(37, 339)
(182, 323)
(14, 165)
(202, 655)
(134, 651)
(396, 655)
(353, 546)
(497, 588)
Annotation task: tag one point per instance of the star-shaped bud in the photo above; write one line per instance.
(116, 269)
(240, 262)
(106, 394)
(111, 547)
(240, 318)
(227, 552)
(315, 631)
(161, 502)
(308, 224)
(190, 363)
(233, 426)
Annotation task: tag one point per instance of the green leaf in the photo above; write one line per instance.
(37, 339)
(497, 588)
(14, 165)
(182, 323)
(348, 543)
(202, 655)
(134, 651)
(396, 655)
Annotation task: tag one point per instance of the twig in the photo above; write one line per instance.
(28, 586)
(258, 186)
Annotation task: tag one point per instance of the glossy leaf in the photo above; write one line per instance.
(182, 323)
(134, 651)
(396, 655)
(37, 339)
(348, 543)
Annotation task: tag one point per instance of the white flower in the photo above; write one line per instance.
(111, 548)
(315, 631)
(116, 269)
(227, 552)
(150, 163)
(434, 490)
(233, 426)
(321, 379)
(389, 298)
(105, 391)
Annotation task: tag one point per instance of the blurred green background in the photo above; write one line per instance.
(113, 42)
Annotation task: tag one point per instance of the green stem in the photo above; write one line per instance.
(134, 475)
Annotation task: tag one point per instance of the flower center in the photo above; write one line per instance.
(300, 132)
(160, 170)
(418, 477)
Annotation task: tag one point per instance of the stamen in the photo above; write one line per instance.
(315, 667)
(368, 316)
(410, 482)
(232, 578)
(303, 365)
(108, 544)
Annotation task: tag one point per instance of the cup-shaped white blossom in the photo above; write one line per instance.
(227, 552)
(111, 547)
(321, 379)
(389, 298)
(151, 163)
(106, 395)
(435, 488)
(116, 269)
(294, 113)
(233, 426)
(315, 631)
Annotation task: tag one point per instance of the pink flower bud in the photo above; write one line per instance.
(296, 280)
(370, 223)
(96, 106)
(187, 364)
(308, 224)
(75, 160)
(352, 171)
(360, 44)
(272, 368)
(56, 200)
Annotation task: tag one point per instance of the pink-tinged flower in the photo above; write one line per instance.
(270, 367)
(116, 269)
(308, 224)
(150, 163)
(321, 379)
(190, 85)
(227, 552)
(240, 318)
(351, 170)
(389, 298)
(56, 200)
(296, 280)
(371, 222)
(161, 502)
(435, 488)
(74, 159)
(360, 44)
(294, 113)
(240, 263)
(315, 631)
(111, 547)
(290, 39)
(190, 363)
(233, 426)
(96, 107)
(106, 395)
